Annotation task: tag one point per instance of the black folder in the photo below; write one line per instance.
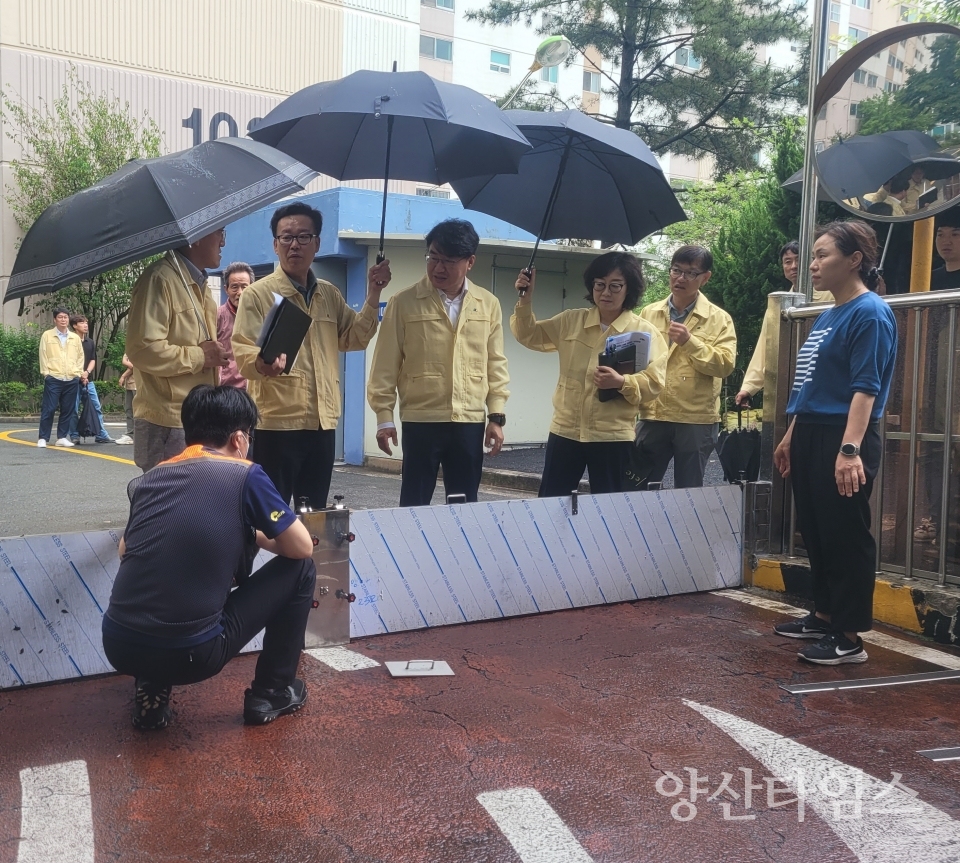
(283, 332)
(623, 361)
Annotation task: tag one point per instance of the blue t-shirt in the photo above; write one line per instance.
(851, 349)
(263, 508)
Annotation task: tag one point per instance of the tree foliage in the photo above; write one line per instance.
(65, 147)
(684, 73)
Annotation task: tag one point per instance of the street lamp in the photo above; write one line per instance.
(552, 51)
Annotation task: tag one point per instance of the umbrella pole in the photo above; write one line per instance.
(554, 194)
(386, 182)
(886, 245)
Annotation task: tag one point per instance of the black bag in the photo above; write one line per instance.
(89, 424)
(739, 452)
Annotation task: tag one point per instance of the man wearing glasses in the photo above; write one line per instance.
(441, 349)
(682, 423)
(172, 341)
(299, 410)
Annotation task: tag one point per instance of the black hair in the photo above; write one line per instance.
(76, 319)
(699, 256)
(454, 237)
(949, 219)
(792, 246)
(211, 414)
(880, 208)
(629, 265)
(899, 184)
(61, 310)
(298, 208)
(856, 236)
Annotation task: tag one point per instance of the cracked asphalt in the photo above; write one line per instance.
(585, 706)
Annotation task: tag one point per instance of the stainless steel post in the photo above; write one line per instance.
(329, 621)
(947, 446)
(912, 456)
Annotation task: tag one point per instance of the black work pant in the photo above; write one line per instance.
(299, 462)
(58, 394)
(278, 596)
(688, 444)
(836, 529)
(457, 447)
(565, 460)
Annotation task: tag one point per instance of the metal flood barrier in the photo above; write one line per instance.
(407, 569)
(916, 497)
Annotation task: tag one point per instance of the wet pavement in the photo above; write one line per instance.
(588, 710)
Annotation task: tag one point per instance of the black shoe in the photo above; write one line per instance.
(834, 649)
(151, 706)
(260, 707)
(810, 626)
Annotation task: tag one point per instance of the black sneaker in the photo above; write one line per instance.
(810, 626)
(151, 706)
(261, 707)
(834, 649)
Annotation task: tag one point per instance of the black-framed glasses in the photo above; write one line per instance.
(436, 260)
(302, 239)
(614, 287)
(677, 273)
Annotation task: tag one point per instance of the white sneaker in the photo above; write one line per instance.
(124, 440)
(64, 441)
(41, 443)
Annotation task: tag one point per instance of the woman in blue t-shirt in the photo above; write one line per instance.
(832, 448)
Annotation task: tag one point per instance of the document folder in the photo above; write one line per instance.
(283, 331)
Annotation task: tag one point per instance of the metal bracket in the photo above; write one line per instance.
(574, 506)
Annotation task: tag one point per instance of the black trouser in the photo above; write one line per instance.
(278, 596)
(62, 394)
(457, 447)
(299, 462)
(565, 459)
(688, 444)
(836, 529)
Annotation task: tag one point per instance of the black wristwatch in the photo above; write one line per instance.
(499, 419)
(849, 449)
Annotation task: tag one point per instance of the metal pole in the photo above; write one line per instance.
(808, 205)
(947, 447)
(912, 456)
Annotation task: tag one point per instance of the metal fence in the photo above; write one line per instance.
(916, 499)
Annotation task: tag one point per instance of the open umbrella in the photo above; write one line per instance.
(583, 178)
(857, 166)
(395, 125)
(150, 206)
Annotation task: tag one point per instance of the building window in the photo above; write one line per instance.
(891, 60)
(823, 113)
(833, 52)
(432, 193)
(819, 146)
(794, 49)
(591, 81)
(871, 80)
(500, 62)
(905, 13)
(899, 65)
(860, 77)
(863, 4)
(550, 74)
(890, 87)
(854, 109)
(835, 13)
(686, 57)
(438, 4)
(856, 34)
(438, 49)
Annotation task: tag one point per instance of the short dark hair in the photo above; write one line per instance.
(699, 256)
(297, 208)
(792, 246)
(949, 219)
(76, 319)
(899, 184)
(454, 237)
(238, 267)
(211, 414)
(61, 310)
(856, 236)
(601, 267)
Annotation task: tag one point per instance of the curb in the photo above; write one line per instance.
(914, 605)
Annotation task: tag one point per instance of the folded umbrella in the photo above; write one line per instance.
(150, 206)
(739, 452)
(583, 178)
(395, 125)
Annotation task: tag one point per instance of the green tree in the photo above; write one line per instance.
(887, 113)
(684, 73)
(66, 147)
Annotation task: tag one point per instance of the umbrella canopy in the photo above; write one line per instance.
(938, 166)
(150, 206)
(860, 165)
(794, 183)
(583, 178)
(918, 144)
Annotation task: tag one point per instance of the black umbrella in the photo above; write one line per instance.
(739, 452)
(395, 125)
(918, 144)
(857, 166)
(150, 206)
(583, 178)
(794, 183)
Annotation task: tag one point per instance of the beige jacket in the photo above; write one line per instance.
(695, 370)
(309, 396)
(442, 373)
(575, 334)
(61, 360)
(169, 318)
(753, 378)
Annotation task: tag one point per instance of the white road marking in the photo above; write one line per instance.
(56, 820)
(341, 659)
(897, 827)
(532, 827)
(899, 645)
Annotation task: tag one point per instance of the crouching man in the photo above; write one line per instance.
(195, 524)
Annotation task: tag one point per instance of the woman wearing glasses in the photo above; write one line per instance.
(586, 432)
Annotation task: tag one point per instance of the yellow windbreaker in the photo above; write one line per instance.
(575, 334)
(168, 320)
(309, 396)
(695, 370)
(442, 373)
(60, 361)
(753, 378)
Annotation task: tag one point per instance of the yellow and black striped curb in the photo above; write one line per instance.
(915, 605)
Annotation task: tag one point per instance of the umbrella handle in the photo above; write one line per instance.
(380, 259)
(528, 272)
